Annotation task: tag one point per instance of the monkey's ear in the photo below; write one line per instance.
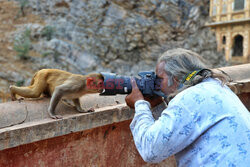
(90, 81)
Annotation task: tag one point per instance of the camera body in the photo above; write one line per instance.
(148, 84)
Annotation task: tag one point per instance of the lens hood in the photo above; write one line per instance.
(115, 84)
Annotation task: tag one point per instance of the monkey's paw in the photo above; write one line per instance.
(20, 99)
(84, 111)
(13, 97)
(56, 116)
(91, 110)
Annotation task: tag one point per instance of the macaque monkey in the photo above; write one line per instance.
(60, 85)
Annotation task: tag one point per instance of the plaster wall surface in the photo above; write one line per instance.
(107, 146)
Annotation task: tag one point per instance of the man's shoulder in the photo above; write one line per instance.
(206, 86)
(200, 92)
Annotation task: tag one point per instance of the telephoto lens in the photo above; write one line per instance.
(115, 84)
(148, 84)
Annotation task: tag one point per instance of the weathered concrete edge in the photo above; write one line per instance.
(239, 87)
(239, 76)
(48, 128)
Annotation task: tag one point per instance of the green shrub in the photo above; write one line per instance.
(55, 55)
(20, 83)
(22, 45)
(47, 53)
(22, 4)
(48, 32)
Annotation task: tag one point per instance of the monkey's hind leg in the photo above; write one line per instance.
(28, 92)
(36, 88)
(79, 108)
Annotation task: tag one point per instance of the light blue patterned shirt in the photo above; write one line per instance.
(204, 125)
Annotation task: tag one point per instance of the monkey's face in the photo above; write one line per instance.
(95, 84)
(100, 85)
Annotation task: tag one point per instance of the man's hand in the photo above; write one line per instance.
(154, 100)
(134, 96)
(137, 95)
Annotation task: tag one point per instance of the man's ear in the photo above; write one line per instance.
(178, 83)
(176, 79)
(170, 80)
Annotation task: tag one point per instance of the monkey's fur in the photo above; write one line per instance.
(59, 84)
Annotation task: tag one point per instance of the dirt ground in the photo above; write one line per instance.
(9, 20)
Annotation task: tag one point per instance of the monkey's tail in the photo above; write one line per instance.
(33, 79)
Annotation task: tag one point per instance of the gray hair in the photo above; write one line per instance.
(181, 62)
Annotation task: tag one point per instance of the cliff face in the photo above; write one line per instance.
(121, 36)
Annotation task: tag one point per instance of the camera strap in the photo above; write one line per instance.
(190, 76)
(160, 93)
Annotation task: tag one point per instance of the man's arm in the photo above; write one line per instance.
(157, 140)
(171, 133)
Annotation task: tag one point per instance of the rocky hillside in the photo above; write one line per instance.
(121, 36)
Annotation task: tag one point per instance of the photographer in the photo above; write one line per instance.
(205, 123)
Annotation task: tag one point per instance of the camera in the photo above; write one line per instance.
(148, 84)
